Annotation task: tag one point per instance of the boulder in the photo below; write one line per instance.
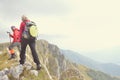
(16, 71)
(34, 72)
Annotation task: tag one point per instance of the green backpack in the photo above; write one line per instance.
(33, 31)
(30, 30)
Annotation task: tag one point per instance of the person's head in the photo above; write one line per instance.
(24, 18)
(13, 28)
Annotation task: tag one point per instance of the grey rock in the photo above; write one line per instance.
(2, 73)
(16, 71)
(34, 72)
(5, 77)
(6, 70)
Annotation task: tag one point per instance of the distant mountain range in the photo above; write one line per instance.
(109, 68)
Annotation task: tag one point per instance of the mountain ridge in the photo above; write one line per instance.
(109, 68)
(54, 65)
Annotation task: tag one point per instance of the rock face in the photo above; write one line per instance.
(55, 62)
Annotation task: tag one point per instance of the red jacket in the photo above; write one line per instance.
(22, 27)
(16, 35)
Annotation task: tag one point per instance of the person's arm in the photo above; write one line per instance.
(21, 29)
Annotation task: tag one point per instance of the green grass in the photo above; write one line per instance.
(4, 62)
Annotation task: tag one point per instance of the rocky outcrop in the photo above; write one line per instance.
(34, 72)
(16, 72)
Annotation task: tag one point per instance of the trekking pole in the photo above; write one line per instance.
(9, 36)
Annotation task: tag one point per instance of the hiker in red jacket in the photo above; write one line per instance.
(16, 41)
(27, 41)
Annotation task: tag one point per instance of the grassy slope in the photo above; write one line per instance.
(4, 62)
(84, 70)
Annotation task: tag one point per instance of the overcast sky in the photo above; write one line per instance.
(85, 26)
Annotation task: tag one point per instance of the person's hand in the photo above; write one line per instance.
(10, 34)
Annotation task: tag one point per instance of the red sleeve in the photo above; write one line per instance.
(22, 26)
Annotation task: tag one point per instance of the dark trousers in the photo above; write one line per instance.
(31, 43)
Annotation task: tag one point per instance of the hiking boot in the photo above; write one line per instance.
(13, 55)
(11, 58)
(38, 67)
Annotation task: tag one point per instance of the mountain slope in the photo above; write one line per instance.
(108, 68)
(54, 65)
